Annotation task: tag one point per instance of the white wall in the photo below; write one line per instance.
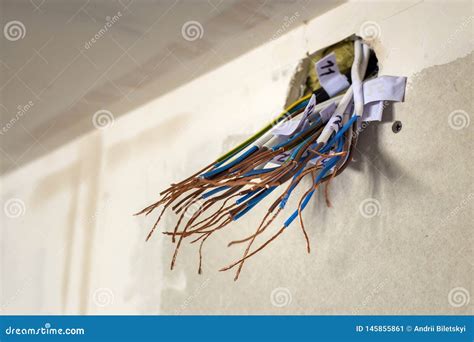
(78, 249)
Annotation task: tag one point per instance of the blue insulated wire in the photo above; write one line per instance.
(292, 187)
(246, 197)
(296, 136)
(241, 213)
(261, 196)
(290, 190)
(320, 176)
(253, 202)
(300, 146)
(339, 134)
(222, 168)
(310, 194)
(214, 191)
(299, 106)
(293, 110)
(259, 171)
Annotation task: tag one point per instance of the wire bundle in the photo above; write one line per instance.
(300, 142)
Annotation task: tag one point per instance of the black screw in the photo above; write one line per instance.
(397, 126)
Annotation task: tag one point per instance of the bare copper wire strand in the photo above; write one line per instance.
(200, 211)
(203, 227)
(305, 234)
(156, 222)
(260, 230)
(272, 208)
(254, 252)
(200, 254)
(183, 203)
(209, 218)
(234, 242)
